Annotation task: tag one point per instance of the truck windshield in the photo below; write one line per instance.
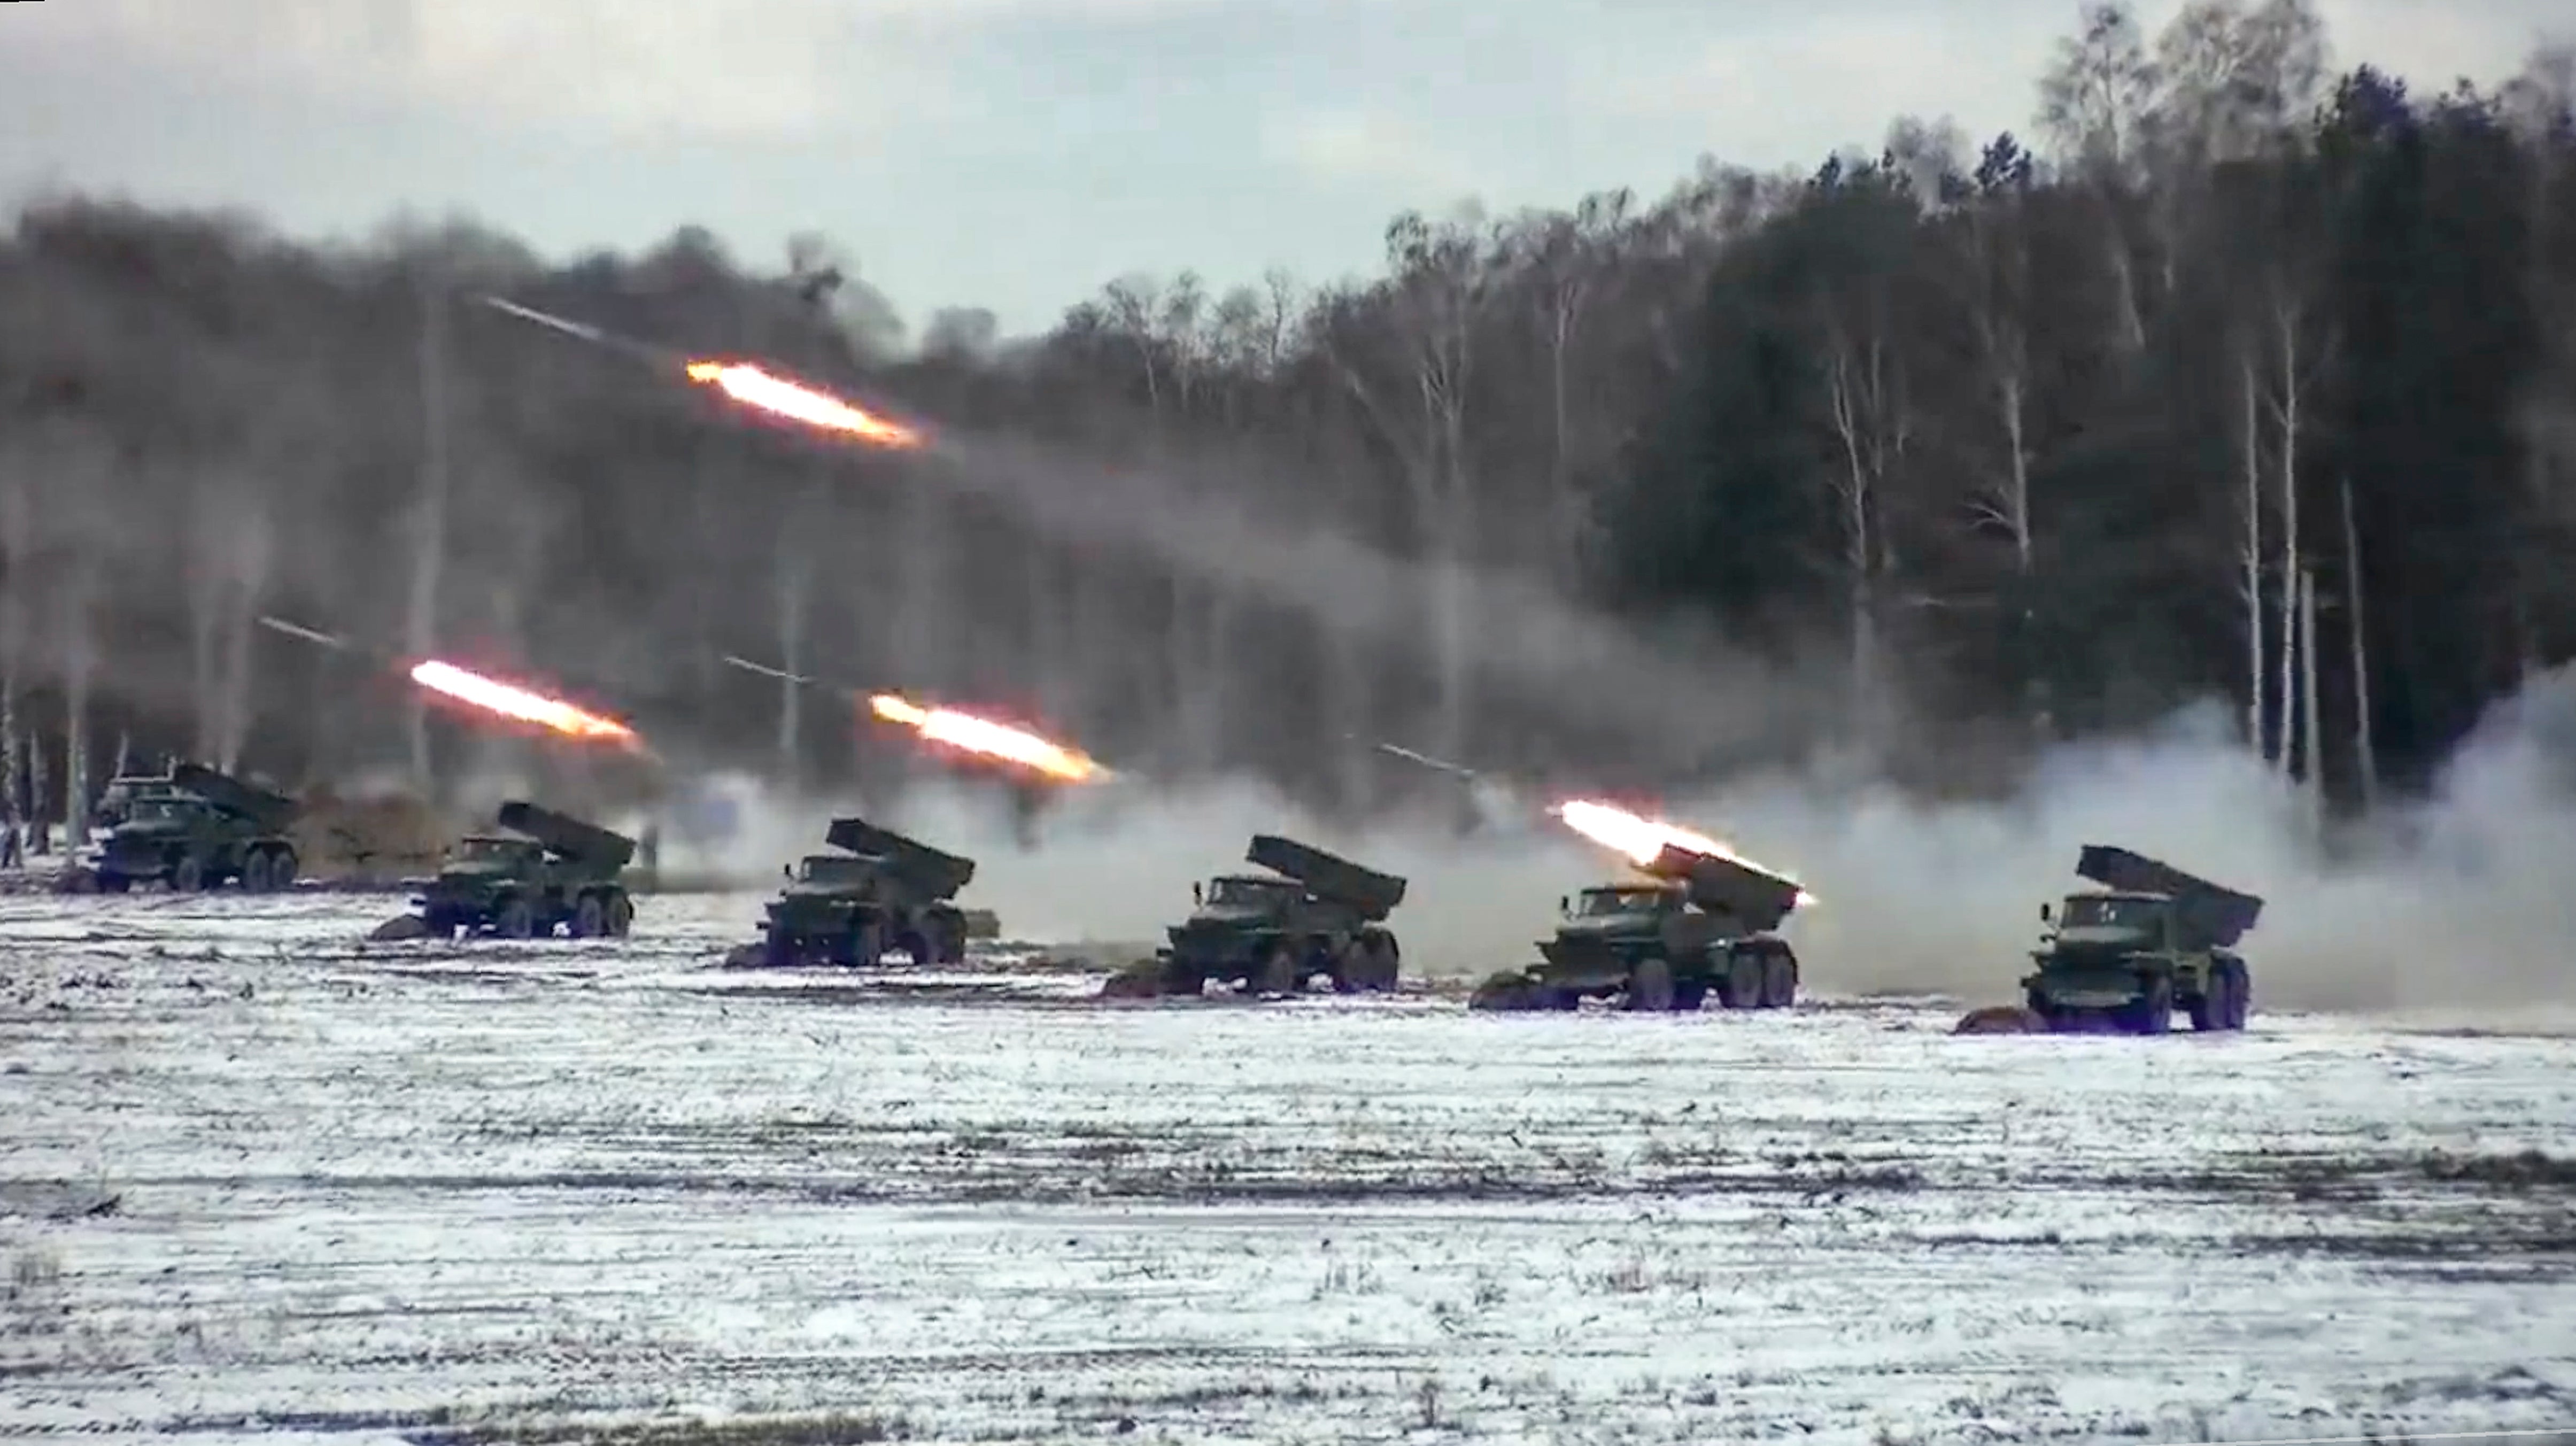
(1246, 893)
(1595, 903)
(2099, 913)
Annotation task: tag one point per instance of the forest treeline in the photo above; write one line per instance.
(2238, 375)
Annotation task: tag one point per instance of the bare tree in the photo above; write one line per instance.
(2249, 542)
(2366, 756)
(2313, 778)
(1872, 427)
(428, 516)
(2098, 107)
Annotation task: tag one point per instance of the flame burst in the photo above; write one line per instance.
(987, 739)
(494, 696)
(777, 396)
(1640, 839)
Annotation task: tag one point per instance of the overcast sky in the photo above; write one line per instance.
(1018, 153)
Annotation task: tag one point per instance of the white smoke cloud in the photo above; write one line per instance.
(2459, 904)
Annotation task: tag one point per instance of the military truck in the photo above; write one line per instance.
(195, 828)
(883, 891)
(2150, 940)
(1695, 925)
(540, 871)
(1312, 914)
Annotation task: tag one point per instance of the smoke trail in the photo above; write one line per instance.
(1682, 701)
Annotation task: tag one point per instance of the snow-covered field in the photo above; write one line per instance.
(257, 1177)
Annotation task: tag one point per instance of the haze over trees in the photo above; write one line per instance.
(2244, 373)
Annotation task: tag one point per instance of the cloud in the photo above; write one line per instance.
(1359, 144)
(718, 69)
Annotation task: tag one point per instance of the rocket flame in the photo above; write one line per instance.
(777, 396)
(988, 739)
(495, 696)
(1642, 838)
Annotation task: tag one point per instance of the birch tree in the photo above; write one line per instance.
(2098, 107)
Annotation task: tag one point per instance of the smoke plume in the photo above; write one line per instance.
(2458, 905)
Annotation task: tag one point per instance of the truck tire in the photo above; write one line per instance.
(778, 950)
(516, 919)
(1279, 971)
(917, 945)
(1367, 966)
(1779, 979)
(589, 917)
(114, 883)
(254, 872)
(187, 876)
(2235, 989)
(1182, 978)
(1650, 986)
(621, 914)
(283, 866)
(1743, 987)
(2208, 1008)
(2152, 1011)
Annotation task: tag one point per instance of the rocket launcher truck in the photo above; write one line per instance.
(537, 872)
(1312, 914)
(1695, 925)
(2150, 940)
(882, 891)
(196, 828)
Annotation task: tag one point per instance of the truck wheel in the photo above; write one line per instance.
(2036, 1001)
(254, 872)
(621, 915)
(1183, 979)
(282, 868)
(589, 919)
(114, 883)
(187, 876)
(1779, 980)
(1279, 971)
(1650, 986)
(917, 945)
(1743, 981)
(2208, 1009)
(517, 919)
(2152, 1011)
(2240, 996)
(777, 950)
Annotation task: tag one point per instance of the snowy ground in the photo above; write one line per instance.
(260, 1178)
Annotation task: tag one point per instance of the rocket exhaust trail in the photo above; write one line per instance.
(751, 385)
(781, 675)
(310, 635)
(584, 331)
